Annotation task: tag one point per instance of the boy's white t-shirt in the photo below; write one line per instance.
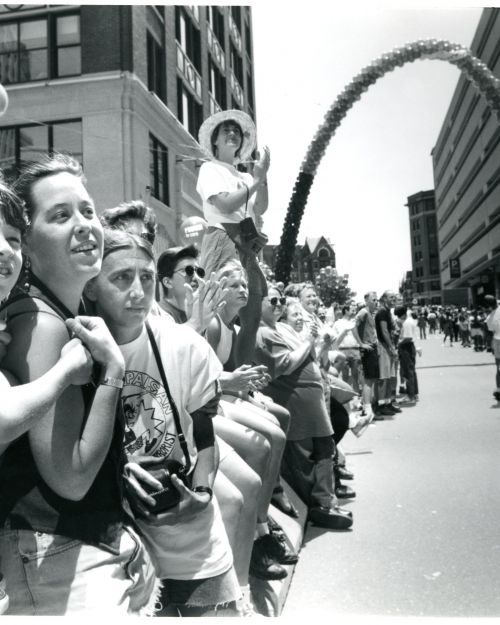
(198, 547)
(216, 177)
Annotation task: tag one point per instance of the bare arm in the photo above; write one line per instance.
(231, 202)
(387, 337)
(21, 406)
(67, 453)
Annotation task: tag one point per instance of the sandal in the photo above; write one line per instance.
(280, 500)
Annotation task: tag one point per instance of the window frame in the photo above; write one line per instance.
(157, 147)
(52, 47)
(49, 126)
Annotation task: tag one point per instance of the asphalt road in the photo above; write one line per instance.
(426, 533)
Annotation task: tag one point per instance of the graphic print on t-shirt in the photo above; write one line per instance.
(148, 416)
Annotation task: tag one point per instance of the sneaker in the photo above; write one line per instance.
(362, 425)
(407, 401)
(331, 518)
(394, 407)
(275, 544)
(245, 606)
(262, 564)
(4, 597)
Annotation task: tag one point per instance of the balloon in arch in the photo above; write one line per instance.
(475, 70)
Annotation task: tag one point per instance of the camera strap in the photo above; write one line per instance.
(247, 198)
(175, 412)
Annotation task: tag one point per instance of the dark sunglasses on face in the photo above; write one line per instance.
(277, 301)
(148, 236)
(189, 271)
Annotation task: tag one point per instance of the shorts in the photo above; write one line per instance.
(386, 363)
(209, 592)
(369, 360)
(495, 348)
(50, 575)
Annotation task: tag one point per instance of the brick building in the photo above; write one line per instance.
(308, 259)
(125, 90)
(466, 161)
(426, 279)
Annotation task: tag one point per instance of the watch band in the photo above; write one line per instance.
(203, 489)
(115, 382)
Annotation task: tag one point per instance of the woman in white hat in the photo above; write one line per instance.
(230, 196)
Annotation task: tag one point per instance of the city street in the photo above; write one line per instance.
(426, 533)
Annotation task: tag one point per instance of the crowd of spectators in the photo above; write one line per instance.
(154, 407)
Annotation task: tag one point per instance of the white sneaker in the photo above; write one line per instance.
(245, 606)
(4, 597)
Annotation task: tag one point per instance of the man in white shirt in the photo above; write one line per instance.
(407, 353)
(493, 323)
(349, 346)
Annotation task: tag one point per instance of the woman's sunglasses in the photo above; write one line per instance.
(277, 301)
(148, 236)
(189, 271)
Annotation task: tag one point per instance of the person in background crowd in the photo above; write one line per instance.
(134, 217)
(464, 326)
(351, 372)
(387, 354)
(493, 323)
(366, 335)
(477, 330)
(297, 384)
(407, 354)
(432, 319)
(447, 325)
(422, 325)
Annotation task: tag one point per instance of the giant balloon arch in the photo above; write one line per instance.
(475, 70)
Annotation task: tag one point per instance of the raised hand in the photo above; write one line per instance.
(261, 167)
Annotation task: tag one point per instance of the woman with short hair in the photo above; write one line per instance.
(67, 544)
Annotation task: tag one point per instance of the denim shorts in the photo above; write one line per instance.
(51, 575)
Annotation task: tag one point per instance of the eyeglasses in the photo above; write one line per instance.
(189, 271)
(148, 236)
(277, 301)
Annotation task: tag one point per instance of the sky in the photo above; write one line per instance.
(304, 55)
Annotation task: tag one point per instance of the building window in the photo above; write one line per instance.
(20, 145)
(188, 36)
(39, 49)
(189, 111)
(156, 67)
(236, 13)
(158, 170)
(236, 64)
(248, 40)
(250, 91)
(217, 85)
(69, 51)
(216, 21)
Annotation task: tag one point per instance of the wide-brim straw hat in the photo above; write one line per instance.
(246, 123)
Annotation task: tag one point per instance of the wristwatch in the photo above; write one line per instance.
(115, 382)
(204, 489)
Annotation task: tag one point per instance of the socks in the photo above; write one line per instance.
(261, 530)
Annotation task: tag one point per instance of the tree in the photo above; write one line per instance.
(332, 288)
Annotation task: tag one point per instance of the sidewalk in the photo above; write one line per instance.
(425, 539)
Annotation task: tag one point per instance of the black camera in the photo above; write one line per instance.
(168, 496)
